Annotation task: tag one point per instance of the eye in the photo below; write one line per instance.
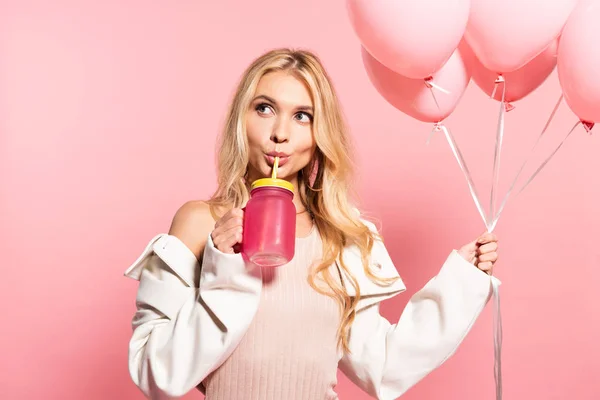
(264, 108)
(304, 117)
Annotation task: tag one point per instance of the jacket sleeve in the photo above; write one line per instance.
(386, 360)
(189, 318)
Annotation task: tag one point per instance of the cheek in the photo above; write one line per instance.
(306, 142)
(252, 130)
(258, 132)
(304, 148)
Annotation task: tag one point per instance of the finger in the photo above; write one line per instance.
(234, 240)
(237, 212)
(225, 245)
(487, 248)
(487, 238)
(469, 249)
(233, 213)
(222, 235)
(485, 266)
(223, 218)
(227, 222)
(235, 231)
(232, 222)
(469, 256)
(489, 257)
(230, 239)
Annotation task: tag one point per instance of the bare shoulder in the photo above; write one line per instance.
(192, 224)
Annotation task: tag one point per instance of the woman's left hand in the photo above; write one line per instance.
(482, 252)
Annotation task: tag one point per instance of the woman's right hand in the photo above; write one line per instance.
(228, 231)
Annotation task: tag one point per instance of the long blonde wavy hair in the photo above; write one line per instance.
(323, 185)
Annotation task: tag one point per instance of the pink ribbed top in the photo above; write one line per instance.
(289, 351)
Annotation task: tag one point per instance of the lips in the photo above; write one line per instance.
(271, 160)
(278, 154)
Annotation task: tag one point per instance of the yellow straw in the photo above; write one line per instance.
(275, 166)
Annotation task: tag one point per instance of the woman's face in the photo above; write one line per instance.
(279, 122)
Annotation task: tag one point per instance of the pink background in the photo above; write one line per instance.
(109, 112)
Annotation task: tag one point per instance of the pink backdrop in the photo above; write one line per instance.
(108, 114)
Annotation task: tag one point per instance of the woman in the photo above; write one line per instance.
(207, 319)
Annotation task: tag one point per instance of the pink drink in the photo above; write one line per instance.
(270, 223)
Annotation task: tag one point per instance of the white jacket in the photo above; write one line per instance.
(190, 319)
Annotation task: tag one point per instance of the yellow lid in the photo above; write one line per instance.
(272, 182)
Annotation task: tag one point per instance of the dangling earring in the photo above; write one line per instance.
(314, 175)
(305, 197)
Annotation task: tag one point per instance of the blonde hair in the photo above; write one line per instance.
(323, 185)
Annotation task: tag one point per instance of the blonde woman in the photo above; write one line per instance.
(207, 319)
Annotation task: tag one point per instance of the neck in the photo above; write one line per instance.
(297, 200)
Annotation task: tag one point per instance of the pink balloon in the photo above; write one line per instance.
(518, 83)
(412, 96)
(507, 34)
(579, 62)
(412, 37)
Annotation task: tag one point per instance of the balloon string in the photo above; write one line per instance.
(431, 84)
(498, 80)
(497, 314)
(549, 157)
(461, 163)
(435, 129)
(497, 319)
(514, 181)
(498, 147)
(463, 166)
(497, 324)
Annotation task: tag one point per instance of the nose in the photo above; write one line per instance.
(281, 132)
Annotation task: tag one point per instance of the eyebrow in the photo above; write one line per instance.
(271, 100)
